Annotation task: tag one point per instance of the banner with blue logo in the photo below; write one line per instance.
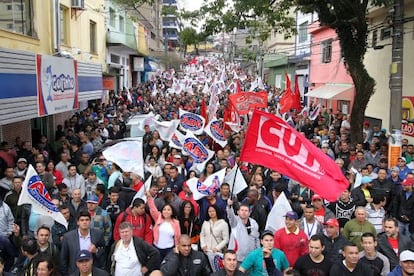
(57, 85)
(35, 193)
(192, 122)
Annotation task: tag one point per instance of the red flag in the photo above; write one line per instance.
(287, 100)
(203, 111)
(296, 102)
(238, 86)
(245, 101)
(272, 143)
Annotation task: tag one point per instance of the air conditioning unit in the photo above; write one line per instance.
(78, 4)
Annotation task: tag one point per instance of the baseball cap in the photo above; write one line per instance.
(407, 255)
(316, 197)
(402, 158)
(407, 181)
(167, 189)
(332, 222)
(265, 233)
(22, 160)
(325, 145)
(92, 199)
(291, 215)
(83, 255)
(395, 169)
(366, 179)
(177, 156)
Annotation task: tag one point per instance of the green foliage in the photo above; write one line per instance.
(133, 4)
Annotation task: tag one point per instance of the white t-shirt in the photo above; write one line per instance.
(166, 236)
(127, 262)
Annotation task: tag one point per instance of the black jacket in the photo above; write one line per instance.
(384, 247)
(222, 272)
(358, 196)
(95, 272)
(333, 248)
(401, 206)
(178, 265)
(148, 256)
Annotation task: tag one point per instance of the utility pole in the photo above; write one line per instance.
(396, 68)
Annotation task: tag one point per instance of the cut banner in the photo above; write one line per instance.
(141, 192)
(245, 101)
(177, 140)
(34, 193)
(273, 143)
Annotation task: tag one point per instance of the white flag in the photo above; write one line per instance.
(235, 176)
(35, 193)
(210, 185)
(127, 155)
(166, 129)
(275, 219)
(141, 191)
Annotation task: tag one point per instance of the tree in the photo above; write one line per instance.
(346, 17)
(188, 36)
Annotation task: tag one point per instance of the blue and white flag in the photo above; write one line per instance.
(210, 185)
(192, 122)
(177, 140)
(194, 148)
(215, 129)
(35, 193)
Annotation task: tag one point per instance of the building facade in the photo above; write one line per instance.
(49, 69)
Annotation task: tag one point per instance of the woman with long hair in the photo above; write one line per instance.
(214, 235)
(209, 170)
(166, 228)
(57, 175)
(189, 223)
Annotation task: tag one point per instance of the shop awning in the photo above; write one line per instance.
(333, 91)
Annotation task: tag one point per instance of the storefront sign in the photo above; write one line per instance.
(108, 83)
(57, 84)
(407, 126)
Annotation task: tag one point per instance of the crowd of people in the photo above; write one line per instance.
(367, 231)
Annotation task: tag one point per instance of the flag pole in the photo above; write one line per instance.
(234, 181)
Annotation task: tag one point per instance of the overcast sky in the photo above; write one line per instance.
(190, 4)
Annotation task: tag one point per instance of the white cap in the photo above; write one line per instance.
(407, 255)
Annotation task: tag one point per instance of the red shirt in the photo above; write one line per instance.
(293, 244)
(394, 244)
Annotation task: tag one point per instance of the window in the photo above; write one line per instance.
(303, 32)
(112, 17)
(385, 33)
(121, 24)
(64, 23)
(92, 37)
(278, 81)
(18, 16)
(326, 51)
(374, 38)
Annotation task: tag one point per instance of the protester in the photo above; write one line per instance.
(183, 260)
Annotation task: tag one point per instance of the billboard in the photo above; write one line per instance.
(57, 84)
